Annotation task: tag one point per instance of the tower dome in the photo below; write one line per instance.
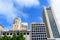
(17, 20)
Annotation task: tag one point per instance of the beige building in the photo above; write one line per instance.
(24, 26)
(18, 25)
(1, 29)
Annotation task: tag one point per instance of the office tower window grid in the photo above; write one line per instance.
(38, 32)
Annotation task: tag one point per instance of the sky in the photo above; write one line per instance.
(28, 10)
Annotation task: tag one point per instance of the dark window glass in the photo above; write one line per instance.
(53, 24)
(10, 33)
(24, 33)
(17, 33)
(27, 33)
(3, 33)
(45, 35)
(7, 33)
(45, 38)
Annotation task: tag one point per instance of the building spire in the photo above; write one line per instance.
(17, 20)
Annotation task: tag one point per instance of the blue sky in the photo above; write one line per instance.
(28, 10)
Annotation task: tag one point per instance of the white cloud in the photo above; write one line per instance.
(9, 12)
(27, 3)
(6, 9)
(22, 14)
(56, 7)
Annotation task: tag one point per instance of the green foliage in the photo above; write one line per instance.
(9, 38)
(5, 37)
(21, 37)
(14, 37)
(0, 38)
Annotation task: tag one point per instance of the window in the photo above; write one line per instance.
(7, 33)
(24, 33)
(33, 38)
(27, 33)
(3, 33)
(45, 38)
(10, 33)
(17, 33)
(45, 35)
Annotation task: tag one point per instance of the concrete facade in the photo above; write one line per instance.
(38, 31)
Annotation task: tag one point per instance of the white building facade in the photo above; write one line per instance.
(38, 31)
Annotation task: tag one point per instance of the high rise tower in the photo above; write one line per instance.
(51, 23)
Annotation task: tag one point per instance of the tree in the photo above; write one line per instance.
(9, 38)
(14, 37)
(5, 37)
(0, 38)
(21, 37)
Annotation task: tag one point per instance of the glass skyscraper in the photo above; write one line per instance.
(50, 22)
